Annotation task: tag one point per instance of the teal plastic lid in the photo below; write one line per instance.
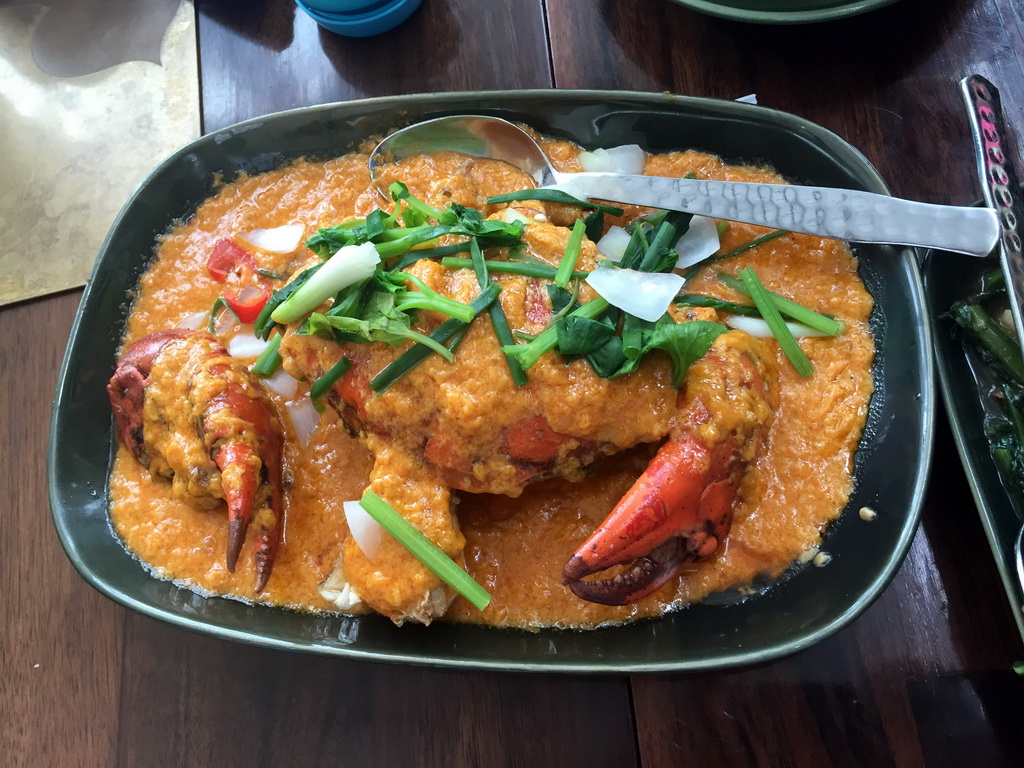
(374, 17)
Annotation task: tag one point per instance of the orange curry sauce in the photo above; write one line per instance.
(516, 547)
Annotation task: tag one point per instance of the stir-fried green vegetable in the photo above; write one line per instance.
(997, 349)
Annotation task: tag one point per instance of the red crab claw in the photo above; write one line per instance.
(679, 510)
(241, 466)
(236, 425)
(127, 388)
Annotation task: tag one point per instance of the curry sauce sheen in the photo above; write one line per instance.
(515, 545)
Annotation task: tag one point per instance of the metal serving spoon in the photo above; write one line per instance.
(843, 214)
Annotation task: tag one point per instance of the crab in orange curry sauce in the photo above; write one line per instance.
(484, 418)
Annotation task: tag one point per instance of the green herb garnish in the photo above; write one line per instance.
(328, 380)
(763, 302)
(697, 300)
(525, 268)
(219, 305)
(424, 550)
(791, 309)
(553, 196)
(443, 334)
(269, 359)
(528, 354)
(571, 254)
(767, 237)
(497, 313)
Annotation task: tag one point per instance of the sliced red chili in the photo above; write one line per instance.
(228, 257)
(248, 302)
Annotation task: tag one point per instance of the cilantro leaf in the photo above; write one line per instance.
(685, 343)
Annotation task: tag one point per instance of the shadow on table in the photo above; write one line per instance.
(857, 54)
(970, 719)
(268, 23)
(80, 37)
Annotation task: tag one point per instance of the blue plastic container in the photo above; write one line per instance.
(358, 18)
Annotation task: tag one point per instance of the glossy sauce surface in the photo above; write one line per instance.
(516, 547)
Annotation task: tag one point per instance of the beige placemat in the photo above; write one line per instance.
(93, 95)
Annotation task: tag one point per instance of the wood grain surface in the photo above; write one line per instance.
(922, 678)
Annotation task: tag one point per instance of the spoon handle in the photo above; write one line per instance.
(843, 214)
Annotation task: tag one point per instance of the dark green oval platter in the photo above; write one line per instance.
(806, 606)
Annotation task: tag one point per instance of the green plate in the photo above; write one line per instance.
(808, 605)
(948, 276)
(783, 11)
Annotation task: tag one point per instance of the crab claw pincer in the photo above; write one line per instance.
(680, 509)
(191, 413)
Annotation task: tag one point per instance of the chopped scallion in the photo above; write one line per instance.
(752, 244)
(547, 339)
(792, 310)
(762, 300)
(406, 534)
(696, 300)
(553, 196)
(498, 319)
(269, 359)
(428, 298)
(211, 326)
(572, 253)
(419, 352)
(328, 380)
(767, 237)
(525, 268)
(416, 254)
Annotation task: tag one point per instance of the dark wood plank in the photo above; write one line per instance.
(850, 699)
(266, 56)
(881, 81)
(917, 680)
(886, 82)
(192, 700)
(113, 688)
(60, 641)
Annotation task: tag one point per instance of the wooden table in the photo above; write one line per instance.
(922, 678)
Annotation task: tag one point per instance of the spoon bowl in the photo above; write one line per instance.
(472, 135)
(842, 214)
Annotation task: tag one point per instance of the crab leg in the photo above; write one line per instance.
(679, 510)
(231, 418)
(241, 473)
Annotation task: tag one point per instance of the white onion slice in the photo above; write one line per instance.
(613, 245)
(282, 383)
(511, 216)
(349, 265)
(748, 99)
(284, 239)
(365, 530)
(644, 294)
(304, 418)
(758, 328)
(629, 158)
(699, 242)
(225, 323)
(194, 322)
(246, 345)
